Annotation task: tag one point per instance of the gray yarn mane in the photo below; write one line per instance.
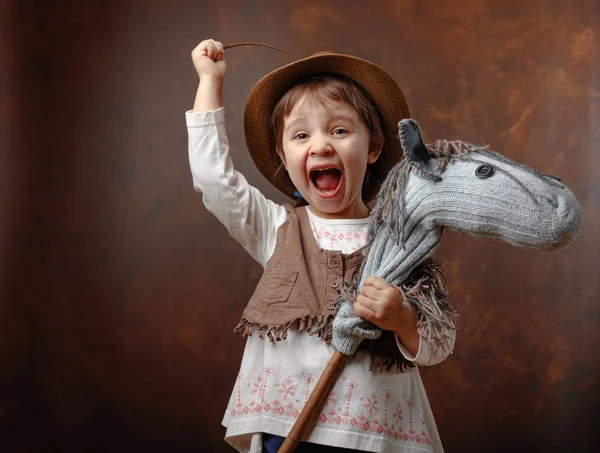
(437, 186)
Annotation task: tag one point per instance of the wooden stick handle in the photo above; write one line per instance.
(315, 402)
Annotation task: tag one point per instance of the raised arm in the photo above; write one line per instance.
(249, 217)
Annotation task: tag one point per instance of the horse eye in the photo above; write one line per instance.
(484, 171)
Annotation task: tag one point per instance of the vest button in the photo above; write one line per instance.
(334, 283)
(330, 304)
(335, 261)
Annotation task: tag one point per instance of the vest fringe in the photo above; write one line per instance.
(380, 364)
(384, 352)
(320, 325)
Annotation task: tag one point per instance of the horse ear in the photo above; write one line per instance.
(413, 147)
(412, 143)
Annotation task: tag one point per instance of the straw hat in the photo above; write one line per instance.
(382, 88)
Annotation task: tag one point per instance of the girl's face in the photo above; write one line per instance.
(326, 152)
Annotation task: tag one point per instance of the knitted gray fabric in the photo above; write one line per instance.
(462, 187)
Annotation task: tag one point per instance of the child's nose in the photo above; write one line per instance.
(321, 145)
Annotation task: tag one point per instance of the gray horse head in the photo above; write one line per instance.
(451, 184)
(464, 188)
(483, 193)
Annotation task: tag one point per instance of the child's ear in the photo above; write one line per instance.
(373, 156)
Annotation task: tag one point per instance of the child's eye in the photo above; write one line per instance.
(301, 136)
(340, 131)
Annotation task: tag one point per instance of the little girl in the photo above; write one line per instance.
(322, 130)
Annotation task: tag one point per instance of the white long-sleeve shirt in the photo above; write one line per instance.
(380, 412)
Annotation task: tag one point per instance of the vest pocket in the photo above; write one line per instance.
(278, 287)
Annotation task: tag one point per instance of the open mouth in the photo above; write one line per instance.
(326, 180)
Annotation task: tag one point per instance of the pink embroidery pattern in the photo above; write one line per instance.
(388, 394)
(328, 239)
(331, 399)
(256, 387)
(411, 432)
(287, 387)
(268, 370)
(365, 416)
(371, 404)
(308, 379)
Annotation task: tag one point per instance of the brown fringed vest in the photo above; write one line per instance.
(300, 287)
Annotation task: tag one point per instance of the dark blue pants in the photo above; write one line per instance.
(271, 444)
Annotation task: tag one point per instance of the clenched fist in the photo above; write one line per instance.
(209, 59)
(382, 304)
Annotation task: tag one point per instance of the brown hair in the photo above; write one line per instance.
(337, 88)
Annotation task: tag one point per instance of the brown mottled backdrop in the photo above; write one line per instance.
(119, 291)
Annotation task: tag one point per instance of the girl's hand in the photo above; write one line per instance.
(209, 60)
(382, 304)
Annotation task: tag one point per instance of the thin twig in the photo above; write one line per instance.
(237, 44)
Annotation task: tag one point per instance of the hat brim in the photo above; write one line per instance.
(381, 87)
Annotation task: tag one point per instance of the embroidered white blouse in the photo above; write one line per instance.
(379, 412)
